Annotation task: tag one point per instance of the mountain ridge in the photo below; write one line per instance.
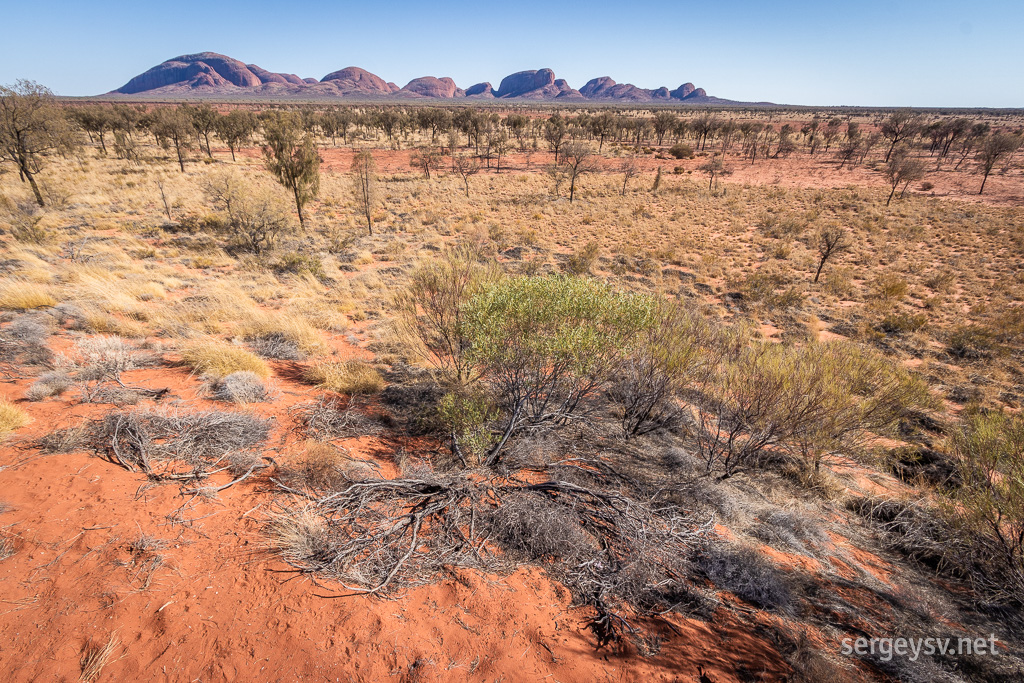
(212, 74)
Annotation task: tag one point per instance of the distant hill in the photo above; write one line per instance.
(208, 74)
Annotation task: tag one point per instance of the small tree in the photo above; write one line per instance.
(996, 147)
(173, 129)
(204, 120)
(291, 156)
(715, 168)
(255, 217)
(555, 131)
(465, 166)
(364, 185)
(31, 126)
(236, 128)
(832, 240)
(902, 169)
(579, 160)
(426, 160)
(630, 168)
(899, 127)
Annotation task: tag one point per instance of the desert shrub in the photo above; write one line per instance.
(347, 377)
(297, 262)
(255, 216)
(770, 288)
(681, 151)
(23, 342)
(49, 384)
(11, 417)
(988, 507)
(806, 400)
(142, 439)
(217, 359)
(431, 310)
(323, 467)
(22, 295)
(325, 419)
(243, 386)
(748, 575)
(675, 347)
(283, 336)
(465, 413)
(545, 345)
(99, 363)
(971, 341)
(900, 322)
(889, 287)
(796, 531)
(582, 260)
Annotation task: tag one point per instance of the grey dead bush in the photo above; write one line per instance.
(146, 439)
(23, 341)
(243, 386)
(748, 575)
(798, 532)
(49, 384)
(275, 345)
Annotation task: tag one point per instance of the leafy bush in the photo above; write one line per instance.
(544, 345)
(681, 151)
(971, 341)
(582, 260)
(218, 359)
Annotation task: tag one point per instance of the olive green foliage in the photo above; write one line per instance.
(291, 156)
(988, 506)
(544, 345)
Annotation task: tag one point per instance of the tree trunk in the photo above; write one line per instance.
(890, 195)
(298, 206)
(821, 265)
(983, 181)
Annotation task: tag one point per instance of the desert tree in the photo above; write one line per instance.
(810, 131)
(900, 126)
(236, 128)
(204, 120)
(831, 132)
(847, 152)
(501, 145)
(31, 126)
(172, 128)
(704, 126)
(663, 122)
(832, 240)
(714, 168)
(555, 132)
(902, 169)
(426, 160)
(364, 185)
(995, 148)
(579, 159)
(630, 168)
(656, 185)
(518, 125)
(291, 156)
(95, 120)
(466, 166)
(601, 126)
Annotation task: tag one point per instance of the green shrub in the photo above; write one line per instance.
(681, 151)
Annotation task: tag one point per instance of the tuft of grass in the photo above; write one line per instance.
(11, 417)
(349, 377)
(95, 657)
(218, 360)
(21, 295)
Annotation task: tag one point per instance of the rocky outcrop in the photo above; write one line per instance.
(210, 74)
(428, 86)
(353, 81)
(480, 90)
(202, 69)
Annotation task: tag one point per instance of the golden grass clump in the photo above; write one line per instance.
(296, 330)
(11, 417)
(217, 359)
(21, 295)
(348, 377)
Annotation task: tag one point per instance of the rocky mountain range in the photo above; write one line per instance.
(208, 74)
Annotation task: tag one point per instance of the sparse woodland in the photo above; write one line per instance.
(754, 367)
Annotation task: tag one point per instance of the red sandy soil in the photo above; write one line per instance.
(220, 607)
(799, 170)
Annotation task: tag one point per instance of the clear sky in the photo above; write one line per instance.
(871, 53)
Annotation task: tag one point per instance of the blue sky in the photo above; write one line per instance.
(871, 53)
